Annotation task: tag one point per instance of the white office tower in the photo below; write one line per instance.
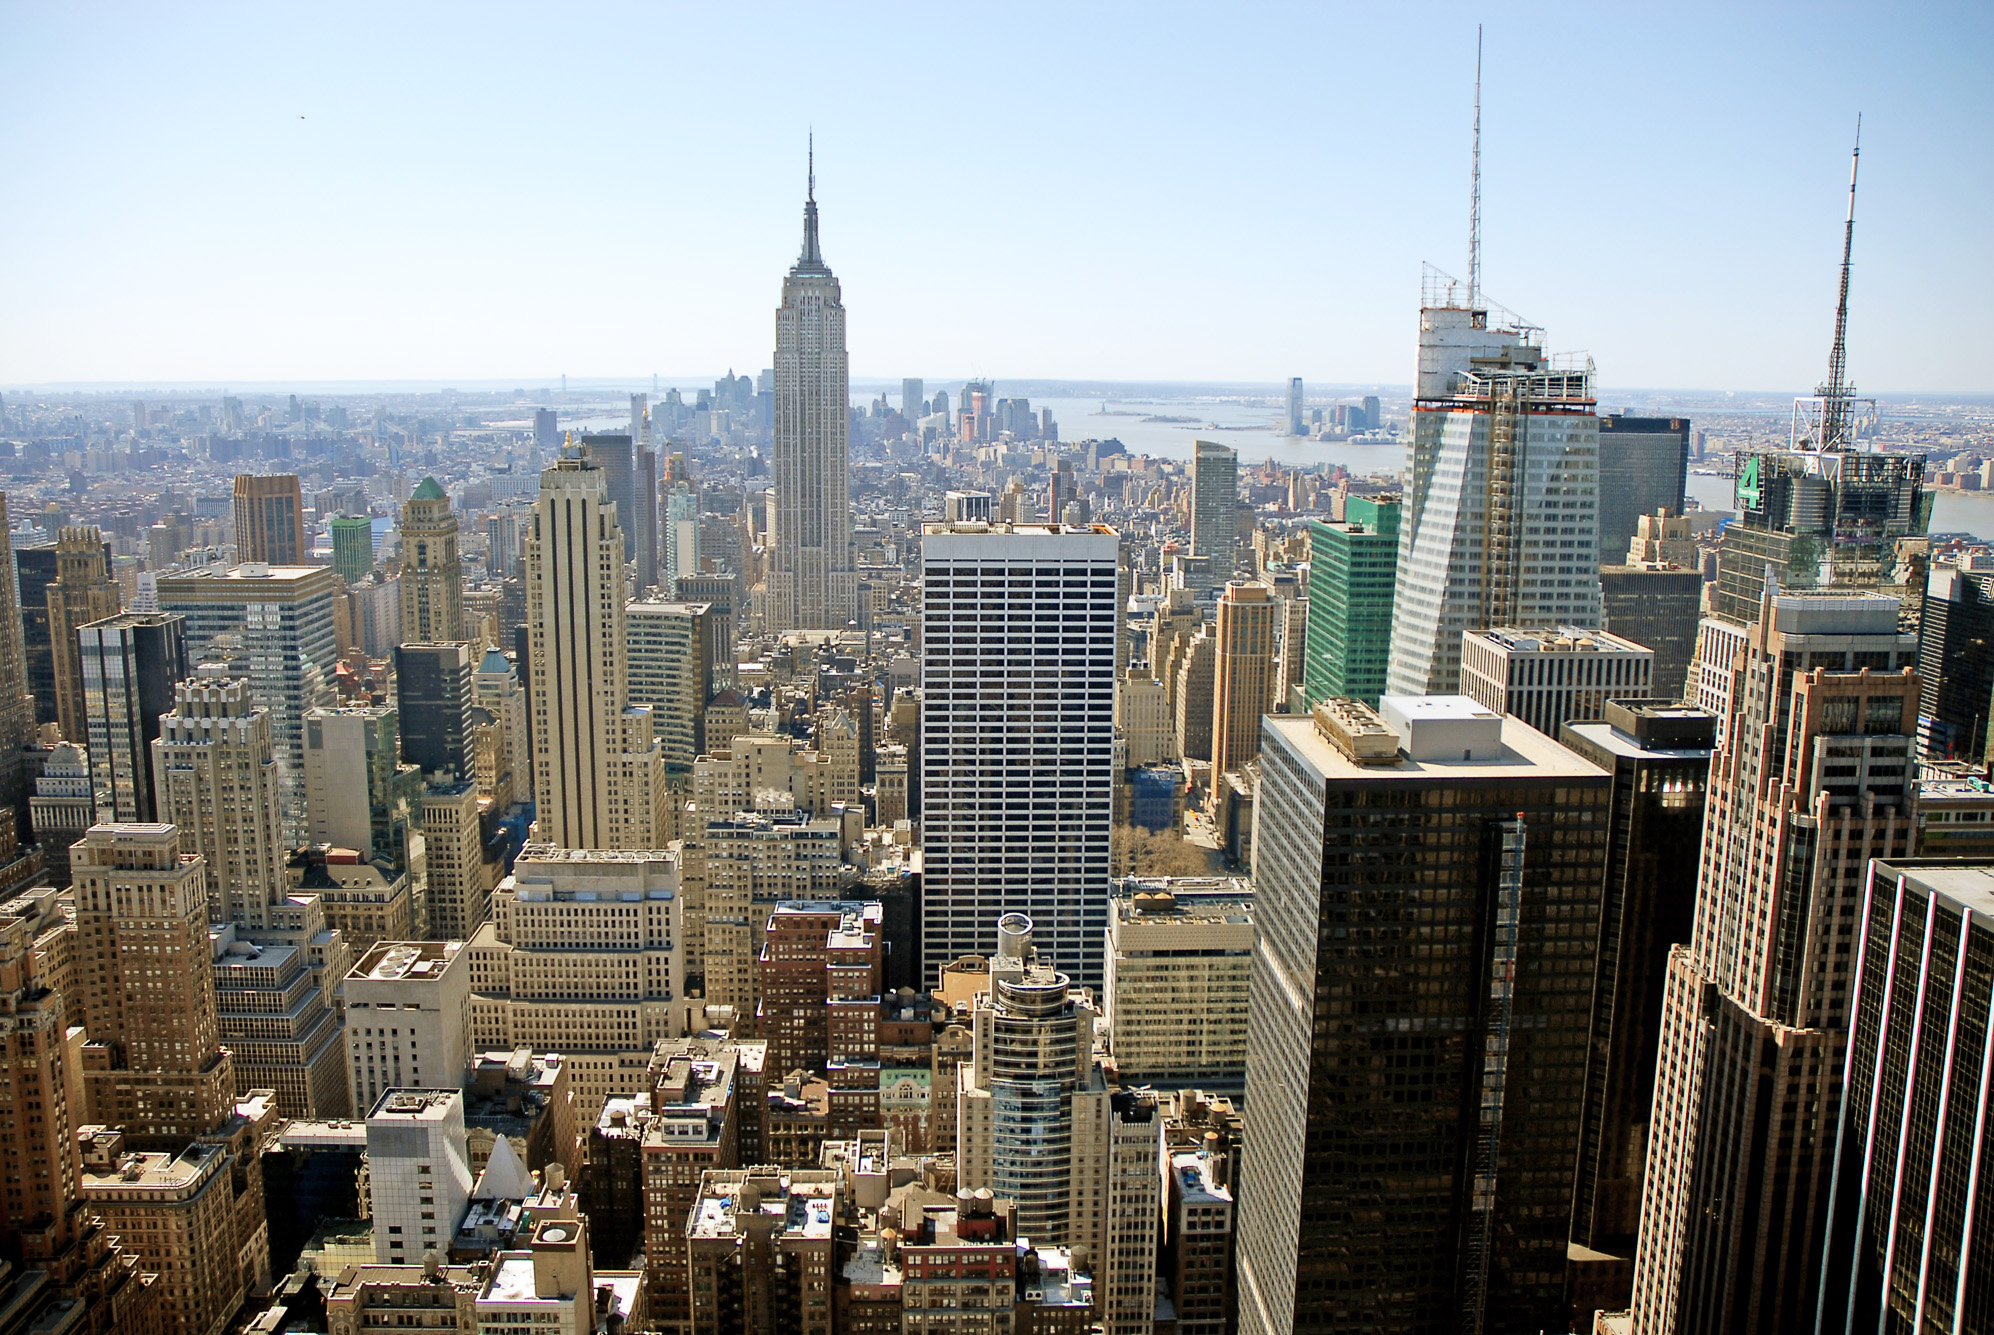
(1017, 736)
(1027, 1089)
(1215, 508)
(598, 772)
(419, 1172)
(812, 584)
(1499, 526)
(408, 1015)
(668, 666)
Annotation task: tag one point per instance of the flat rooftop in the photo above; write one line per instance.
(1559, 640)
(413, 1104)
(1526, 753)
(803, 1207)
(393, 961)
(1615, 742)
(1971, 887)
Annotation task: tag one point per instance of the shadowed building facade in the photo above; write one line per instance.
(1427, 884)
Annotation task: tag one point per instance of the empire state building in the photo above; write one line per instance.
(812, 584)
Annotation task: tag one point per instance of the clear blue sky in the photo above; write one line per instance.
(258, 193)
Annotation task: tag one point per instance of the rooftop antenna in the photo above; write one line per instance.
(1837, 393)
(812, 194)
(1475, 193)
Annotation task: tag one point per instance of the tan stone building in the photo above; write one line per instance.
(83, 592)
(432, 578)
(582, 956)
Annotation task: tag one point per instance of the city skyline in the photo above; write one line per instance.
(1270, 188)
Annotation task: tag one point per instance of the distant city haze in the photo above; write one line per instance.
(259, 196)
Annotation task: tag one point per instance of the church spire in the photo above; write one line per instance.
(812, 258)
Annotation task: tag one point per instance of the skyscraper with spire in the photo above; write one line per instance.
(1815, 777)
(812, 583)
(1500, 521)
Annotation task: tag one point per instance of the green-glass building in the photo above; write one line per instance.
(352, 547)
(1353, 567)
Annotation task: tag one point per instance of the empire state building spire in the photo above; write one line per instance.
(811, 261)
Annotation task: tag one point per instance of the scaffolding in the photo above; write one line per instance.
(1478, 1228)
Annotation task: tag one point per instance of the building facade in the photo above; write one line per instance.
(1242, 673)
(83, 592)
(598, 771)
(432, 578)
(270, 520)
(1659, 756)
(1017, 787)
(1214, 508)
(1501, 510)
(1413, 1132)
(215, 775)
(1547, 676)
(1903, 1251)
(1179, 961)
(1816, 775)
(281, 617)
(1353, 569)
(131, 663)
(408, 1009)
(1643, 468)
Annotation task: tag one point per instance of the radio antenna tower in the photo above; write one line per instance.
(1837, 395)
(1475, 189)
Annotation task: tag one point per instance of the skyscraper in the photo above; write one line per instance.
(34, 569)
(1956, 663)
(1658, 605)
(1427, 881)
(214, 773)
(17, 702)
(1815, 775)
(433, 694)
(358, 793)
(911, 393)
(1242, 674)
(1822, 513)
(1659, 756)
(270, 520)
(83, 592)
(147, 989)
(598, 772)
(131, 663)
(811, 581)
(681, 537)
(282, 618)
(497, 689)
(1821, 518)
(1017, 736)
(1352, 571)
(40, 1218)
(1296, 427)
(615, 455)
(1023, 1096)
(1906, 1249)
(671, 671)
(1500, 525)
(1643, 467)
(432, 578)
(352, 546)
(1214, 508)
(644, 491)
